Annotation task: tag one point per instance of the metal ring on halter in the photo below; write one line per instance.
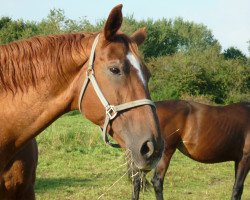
(111, 110)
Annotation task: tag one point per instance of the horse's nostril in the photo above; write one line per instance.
(147, 149)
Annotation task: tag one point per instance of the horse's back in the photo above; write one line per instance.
(235, 115)
(18, 178)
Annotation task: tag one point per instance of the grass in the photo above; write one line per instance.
(74, 164)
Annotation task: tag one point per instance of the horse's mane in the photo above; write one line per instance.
(23, 62)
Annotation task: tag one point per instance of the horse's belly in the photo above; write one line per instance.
(206, 154)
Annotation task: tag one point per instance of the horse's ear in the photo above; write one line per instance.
(113, 22)
(139, 36)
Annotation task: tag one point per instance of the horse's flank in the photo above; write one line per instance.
(213, 124)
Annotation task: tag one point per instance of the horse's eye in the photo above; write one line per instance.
(115, 70)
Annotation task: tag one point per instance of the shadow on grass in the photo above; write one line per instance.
(43, 184)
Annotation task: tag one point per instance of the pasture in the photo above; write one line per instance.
(74, 163)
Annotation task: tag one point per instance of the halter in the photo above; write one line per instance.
(111, 110)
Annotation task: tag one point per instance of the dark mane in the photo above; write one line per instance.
(23, 63)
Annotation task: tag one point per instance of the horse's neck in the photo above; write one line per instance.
(26, 113)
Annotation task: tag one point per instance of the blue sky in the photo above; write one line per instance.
(229, 20)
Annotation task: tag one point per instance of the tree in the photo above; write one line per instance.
(234, 53)
(4, 22)
(11, 30)
(204, 73)
(56, 22)
(167, 37)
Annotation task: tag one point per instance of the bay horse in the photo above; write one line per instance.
(101, 74)
(207, 134)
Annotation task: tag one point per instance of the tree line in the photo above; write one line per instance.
(184, 58)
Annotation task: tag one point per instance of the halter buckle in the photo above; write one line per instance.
(111, 112)
(89, 72)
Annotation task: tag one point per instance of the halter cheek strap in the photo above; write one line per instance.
(111, 110)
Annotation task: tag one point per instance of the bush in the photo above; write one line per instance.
(196, 73)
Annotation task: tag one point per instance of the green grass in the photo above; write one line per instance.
(75, 164)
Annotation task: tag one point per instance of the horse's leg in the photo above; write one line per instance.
(160, 172)
(242, 169)
(136, 181)
(26, 190)
(236, 164)
(27, 194)
(18, 180)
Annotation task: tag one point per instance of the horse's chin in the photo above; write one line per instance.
(146, 166)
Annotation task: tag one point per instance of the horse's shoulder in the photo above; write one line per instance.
(195, 107)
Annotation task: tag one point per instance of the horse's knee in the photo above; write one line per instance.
(157, 182)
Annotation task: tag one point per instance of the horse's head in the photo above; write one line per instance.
(118, 77)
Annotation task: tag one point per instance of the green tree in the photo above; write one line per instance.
(11, 30)
(56, 22)
(167, 37)
(234, 53)
(193, 36)
(53, 23)
(4, 22)
(161, 39)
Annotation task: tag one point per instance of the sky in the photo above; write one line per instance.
(229, 20)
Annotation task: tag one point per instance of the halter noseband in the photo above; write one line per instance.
(111, 110)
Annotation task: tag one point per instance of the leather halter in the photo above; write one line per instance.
(111, 110)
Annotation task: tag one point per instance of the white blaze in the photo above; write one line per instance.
(135, 62)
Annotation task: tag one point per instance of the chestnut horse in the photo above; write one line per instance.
(18, 179)
(207, 134)
(101, 74)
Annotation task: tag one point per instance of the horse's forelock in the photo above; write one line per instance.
(133, 48)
